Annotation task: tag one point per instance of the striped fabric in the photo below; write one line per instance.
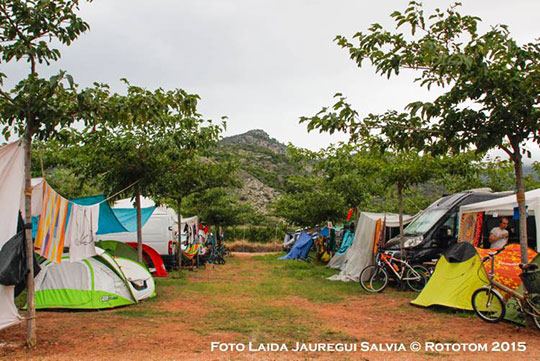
(191, 250)
(51, 233)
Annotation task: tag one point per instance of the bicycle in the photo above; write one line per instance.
(489, 304)
(374, 278)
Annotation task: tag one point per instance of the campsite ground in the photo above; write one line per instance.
(261, 300)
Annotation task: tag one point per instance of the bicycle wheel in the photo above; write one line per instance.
(417, 277)
(534, 304)
(488, 304)
(373, 278)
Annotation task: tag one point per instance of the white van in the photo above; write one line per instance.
(157, 232)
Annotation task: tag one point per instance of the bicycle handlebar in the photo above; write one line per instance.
(498, 251)
(491, 255)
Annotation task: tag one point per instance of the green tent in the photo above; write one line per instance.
(118, 249)
(92, 283)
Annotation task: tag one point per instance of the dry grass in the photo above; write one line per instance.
(242, 245)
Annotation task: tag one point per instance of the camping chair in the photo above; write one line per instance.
(189, 256)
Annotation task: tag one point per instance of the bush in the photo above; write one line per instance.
(255, 234)
(245, 246)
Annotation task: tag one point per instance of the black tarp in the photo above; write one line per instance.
(459, 252)
(13, 269)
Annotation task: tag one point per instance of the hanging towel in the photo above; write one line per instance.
(81, 231)
(52, 225)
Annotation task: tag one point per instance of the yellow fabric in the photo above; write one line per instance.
(452, 284)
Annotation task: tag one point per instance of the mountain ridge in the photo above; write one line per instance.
(264, 167)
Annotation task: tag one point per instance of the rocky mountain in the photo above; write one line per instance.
(264, 166)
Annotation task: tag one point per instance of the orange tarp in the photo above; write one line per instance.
(506, 266)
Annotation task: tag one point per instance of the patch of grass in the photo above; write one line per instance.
(332, 335)
(148, 312)
(260, 323)
(303, 279)
(450, 312)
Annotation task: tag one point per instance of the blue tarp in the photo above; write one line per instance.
(347, 241)
(301, 247)
(325, 232)
(108, 222)
(128, 217)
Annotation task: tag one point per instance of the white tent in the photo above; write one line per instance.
(11, 194)
(360, 254)
(505, 207)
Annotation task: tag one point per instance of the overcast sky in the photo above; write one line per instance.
(262, 63)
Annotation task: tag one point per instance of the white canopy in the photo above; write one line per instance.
(360, 254)
(505, 207)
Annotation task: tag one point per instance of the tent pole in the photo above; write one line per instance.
(139, 227)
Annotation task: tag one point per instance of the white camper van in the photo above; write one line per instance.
(157, 232)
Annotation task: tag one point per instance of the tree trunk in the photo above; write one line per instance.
(139, 223)
(400, 209)
(31, 339)
(520, 196)
(179, 246)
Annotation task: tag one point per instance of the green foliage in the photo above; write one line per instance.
(309, 202)
(491, 95)
(216, 206)
(121, 159)
(45, 106)
(27, 24)
(28, 28)
(181, 177)
(255, 234)
(140, 137)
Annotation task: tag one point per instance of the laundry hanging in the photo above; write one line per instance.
(52, 225)
(81, 231)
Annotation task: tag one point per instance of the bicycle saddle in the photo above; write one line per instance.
(528, 266)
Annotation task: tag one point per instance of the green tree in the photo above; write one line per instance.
(309, 202)
(130, 135)
(492, 82)
(351, 172)
(36, 106)
(217, 206)
(397, 154)
(185, 173)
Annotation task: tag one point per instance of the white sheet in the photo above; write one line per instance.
(81, 231)
(11, 191)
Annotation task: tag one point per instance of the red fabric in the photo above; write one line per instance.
(506, 266)
(349, 215)
(151, 256)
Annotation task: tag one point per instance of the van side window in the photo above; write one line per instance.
(451, 222)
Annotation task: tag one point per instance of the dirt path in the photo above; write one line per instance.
(253, 300)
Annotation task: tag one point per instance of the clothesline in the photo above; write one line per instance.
(117, 193)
